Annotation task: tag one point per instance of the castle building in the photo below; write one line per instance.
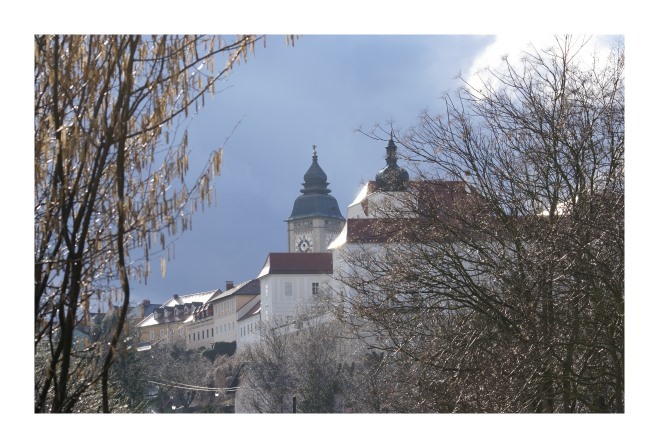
(390, 215)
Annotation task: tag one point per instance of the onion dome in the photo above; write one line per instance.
(392, 177)
(315, 200)
(315, 179)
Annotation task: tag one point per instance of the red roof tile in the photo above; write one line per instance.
(437, 199)
(297, 263)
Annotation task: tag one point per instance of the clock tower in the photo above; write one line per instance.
(316, 219)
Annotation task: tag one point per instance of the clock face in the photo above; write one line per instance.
(303, 244)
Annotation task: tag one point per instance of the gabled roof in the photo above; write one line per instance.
(177, 301)
(297, 263)
(141, 310)
(441, 197)
(432, 195)
(202, 297)
(247, 288)
(428, 198)
(256, 309)
(379, 230)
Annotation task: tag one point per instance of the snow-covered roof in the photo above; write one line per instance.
(197, 299)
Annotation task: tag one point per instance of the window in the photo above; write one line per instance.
(212, 332)
(314, 288)
(206, 332)
(152, 335)
(162, 333)
(288, 289)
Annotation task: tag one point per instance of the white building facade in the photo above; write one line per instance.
(217, 319)
(290, 281)
(249, 325)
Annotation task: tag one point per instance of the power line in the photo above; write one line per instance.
(194, 387)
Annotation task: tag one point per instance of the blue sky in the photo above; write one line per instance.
(271, 111)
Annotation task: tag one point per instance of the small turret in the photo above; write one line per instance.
(392, 177)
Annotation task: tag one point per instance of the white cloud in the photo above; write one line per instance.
(513, 48)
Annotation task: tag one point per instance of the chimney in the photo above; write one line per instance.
(229, 285)
(146, 302)
(467, 181)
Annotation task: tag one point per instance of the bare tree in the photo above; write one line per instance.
(310, 359)
(183, 378)
(227, 378)
(321, 363)
(505, 293)
(111, 162)
(266, 378)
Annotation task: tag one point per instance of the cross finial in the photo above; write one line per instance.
(314, 150)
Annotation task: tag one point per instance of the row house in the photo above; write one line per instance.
(198, 327)
(170, 317)
(217, 319)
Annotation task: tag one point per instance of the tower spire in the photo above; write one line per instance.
(316, 219)
(392, 154)
(315, 179)
(392, 177)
